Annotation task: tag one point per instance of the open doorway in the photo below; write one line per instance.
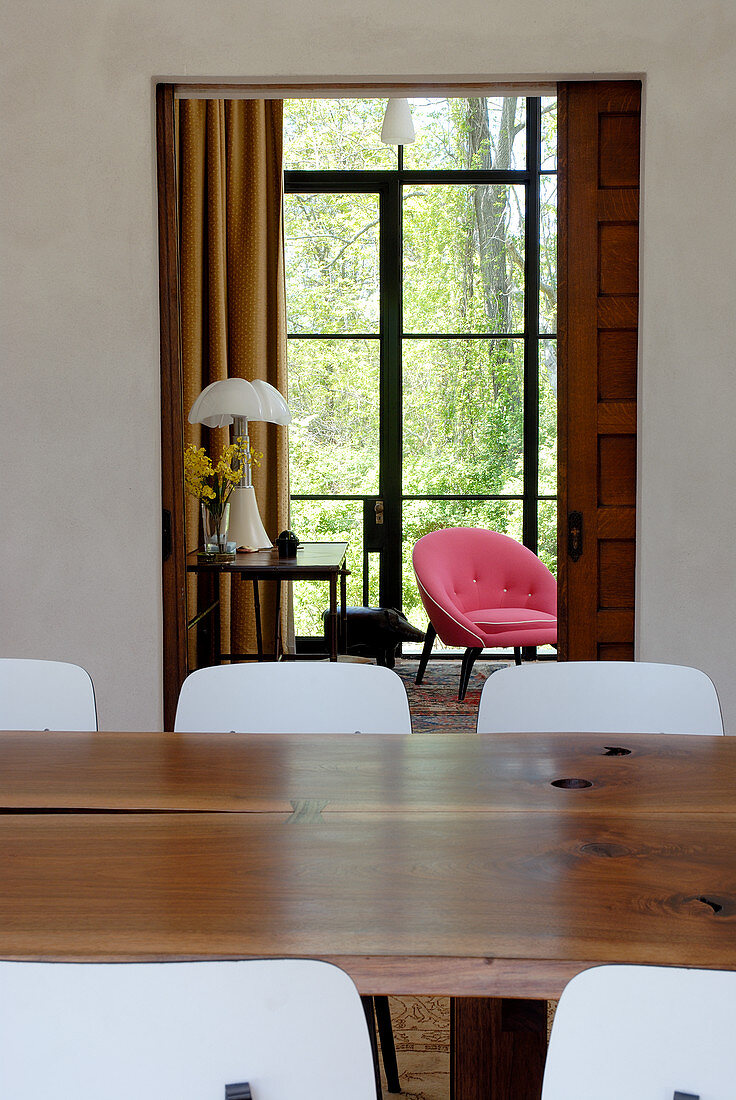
(596, 380)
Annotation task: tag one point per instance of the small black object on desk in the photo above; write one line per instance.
(288, 544)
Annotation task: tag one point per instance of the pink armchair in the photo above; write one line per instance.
(483, 590)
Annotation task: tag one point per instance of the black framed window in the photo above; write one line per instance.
(421, 304)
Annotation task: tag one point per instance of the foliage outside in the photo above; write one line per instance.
(463, 264)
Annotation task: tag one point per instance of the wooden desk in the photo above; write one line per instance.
(504, 889)
(314, 561)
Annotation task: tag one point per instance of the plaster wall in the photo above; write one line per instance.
(79, 399)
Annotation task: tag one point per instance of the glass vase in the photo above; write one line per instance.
(214, 526)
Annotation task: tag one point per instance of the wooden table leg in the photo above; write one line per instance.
(257, 607)
(497, 1048)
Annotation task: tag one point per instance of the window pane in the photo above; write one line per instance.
(331, 246)
(468, 133)
(547, 517)
(549, 132)
(547, 416)
(463, 258)
(420, 517)
(332, 134)
(327, 521)
(333, 398)
(463, 416)
(548, 254)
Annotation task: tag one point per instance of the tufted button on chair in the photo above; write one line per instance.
(483, 590)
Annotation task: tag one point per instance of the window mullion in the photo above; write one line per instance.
(391, 390)
(530, 520)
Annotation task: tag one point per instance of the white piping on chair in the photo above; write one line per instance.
(552, 621)
(449, 616)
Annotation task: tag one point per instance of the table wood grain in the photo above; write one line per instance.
(391, 773)
(491, 894)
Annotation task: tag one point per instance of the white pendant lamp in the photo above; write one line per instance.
(236, 401)
(398, 126)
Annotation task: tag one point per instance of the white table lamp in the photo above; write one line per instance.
(236, 401)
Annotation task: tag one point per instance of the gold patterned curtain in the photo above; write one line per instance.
(233, 308)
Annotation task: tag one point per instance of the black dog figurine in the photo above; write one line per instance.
(377, 632)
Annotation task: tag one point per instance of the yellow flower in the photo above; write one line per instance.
(212, 484)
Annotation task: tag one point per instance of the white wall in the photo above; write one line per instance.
(79, 401)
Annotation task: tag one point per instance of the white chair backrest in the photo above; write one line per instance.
(644, 1033)
(157, 1031)
(599, 697)
(293, 697)
(45, 695)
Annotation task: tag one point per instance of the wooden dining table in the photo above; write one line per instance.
(487, 868)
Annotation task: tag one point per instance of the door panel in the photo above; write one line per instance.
(599, 285)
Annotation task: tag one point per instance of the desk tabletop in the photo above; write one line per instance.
(466, 773)
(466, 904)
(315, 558)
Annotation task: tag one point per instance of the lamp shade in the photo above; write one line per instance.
(398, 126)
(273, 407)
(221, 402)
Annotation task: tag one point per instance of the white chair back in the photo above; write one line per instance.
(293, 697)
(599, 697)
(45, 695)
(644, 1033)
(81, 1031)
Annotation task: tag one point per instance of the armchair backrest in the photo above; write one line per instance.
(643, 1032)
(469, 568)
(293, 697)
(45, 695)
(151, 1031)
(601, 696)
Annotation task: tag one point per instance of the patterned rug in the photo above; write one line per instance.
(434, 704)
(422, 1037)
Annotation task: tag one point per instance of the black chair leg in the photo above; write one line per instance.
(370, 1019)
(429, 638)
(469, 658)
(388, 1047)
(517, 654)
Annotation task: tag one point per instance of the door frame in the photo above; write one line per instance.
(172, 481)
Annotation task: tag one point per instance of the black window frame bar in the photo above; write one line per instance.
(388, 185)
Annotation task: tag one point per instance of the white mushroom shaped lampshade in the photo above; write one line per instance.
(235, 400)
(219, 403)
(274, 409)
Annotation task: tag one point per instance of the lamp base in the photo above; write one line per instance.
(245, 520)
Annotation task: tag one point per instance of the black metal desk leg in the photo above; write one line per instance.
(277, 624)
(257, 607)
(343, 610)
(333, 617)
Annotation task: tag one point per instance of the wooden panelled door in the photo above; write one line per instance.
(599, 134)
